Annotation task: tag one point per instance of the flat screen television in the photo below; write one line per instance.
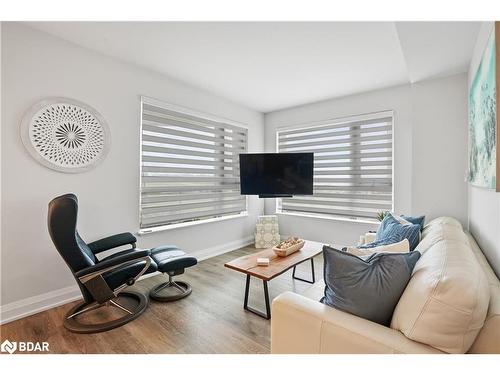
(276, 175)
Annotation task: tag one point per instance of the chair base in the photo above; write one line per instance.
(183, 290)
(72, 324)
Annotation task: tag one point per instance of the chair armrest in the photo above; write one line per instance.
(112, 263)
(303, 325)
(112, 242)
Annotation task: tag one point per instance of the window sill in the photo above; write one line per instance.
(330, 217)
(190, 223)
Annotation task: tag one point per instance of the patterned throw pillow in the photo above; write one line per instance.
(419, 220)
(369, 288)
(391, 228)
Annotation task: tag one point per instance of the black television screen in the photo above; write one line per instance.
(274, 175)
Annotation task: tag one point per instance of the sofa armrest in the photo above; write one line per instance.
(302, 325)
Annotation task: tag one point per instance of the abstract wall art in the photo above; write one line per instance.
(483, 107)
(65, 135)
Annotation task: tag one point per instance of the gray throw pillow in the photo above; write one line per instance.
(369, 287)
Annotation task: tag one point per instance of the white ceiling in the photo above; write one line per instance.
(274, 65)
(435, 49)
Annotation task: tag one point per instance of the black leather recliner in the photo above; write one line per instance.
(102, 282)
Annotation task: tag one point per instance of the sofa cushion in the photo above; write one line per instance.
(443, 220)
(430, 237)
(444, 304)
(369, 288)
(398, 247)
(388, 240)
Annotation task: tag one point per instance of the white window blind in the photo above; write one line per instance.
(189, 166)
(352, 166)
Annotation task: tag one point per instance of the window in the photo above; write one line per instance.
(189, 166)
(352, 166)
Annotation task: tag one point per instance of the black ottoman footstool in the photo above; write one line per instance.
(172, 261)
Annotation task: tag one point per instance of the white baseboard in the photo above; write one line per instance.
(32, 305)
(221, 249)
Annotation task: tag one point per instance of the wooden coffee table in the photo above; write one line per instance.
(277, 265)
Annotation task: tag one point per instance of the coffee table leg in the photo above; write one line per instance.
(312, 271)
(267, 314)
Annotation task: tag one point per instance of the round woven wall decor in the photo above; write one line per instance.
(65, 135)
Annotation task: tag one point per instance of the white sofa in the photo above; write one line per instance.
(450, 305)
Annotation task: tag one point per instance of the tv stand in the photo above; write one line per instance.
(275, 196)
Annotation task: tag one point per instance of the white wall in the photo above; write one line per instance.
(439, 147)
(484, 204)
(429, 132)
(35, 66)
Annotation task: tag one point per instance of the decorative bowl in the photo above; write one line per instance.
(289, 250)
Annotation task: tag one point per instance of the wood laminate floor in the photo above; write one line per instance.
(210, 320)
